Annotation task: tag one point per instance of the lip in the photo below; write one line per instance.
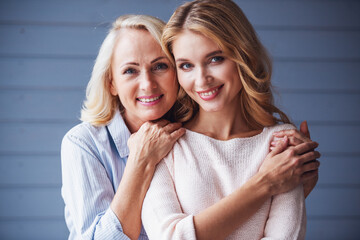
(154, 102)
(212, 96)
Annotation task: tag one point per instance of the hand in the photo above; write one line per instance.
(285, 167)
(295, 137)
(153, 141)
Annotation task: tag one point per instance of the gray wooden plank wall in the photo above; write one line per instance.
(47, 49)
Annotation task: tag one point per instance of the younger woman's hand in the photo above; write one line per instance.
(287, 166)
(153, 141)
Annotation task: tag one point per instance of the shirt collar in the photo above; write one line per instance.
(120, 134)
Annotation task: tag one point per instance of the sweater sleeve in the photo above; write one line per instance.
(162, 215)
(287, 217)
(87, 192)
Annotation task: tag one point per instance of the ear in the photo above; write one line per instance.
(112, 87)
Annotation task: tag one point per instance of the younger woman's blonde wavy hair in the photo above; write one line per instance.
(226, 24)
(99, 106)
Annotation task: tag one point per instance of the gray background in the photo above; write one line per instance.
(47, 49)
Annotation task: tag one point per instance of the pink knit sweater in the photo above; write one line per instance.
(200, 171)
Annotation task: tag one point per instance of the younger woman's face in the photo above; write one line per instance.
(142, 76)
(207, 75)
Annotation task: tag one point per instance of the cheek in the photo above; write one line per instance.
(183, 80)
(127, 92)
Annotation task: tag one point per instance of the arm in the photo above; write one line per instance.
(163, 217)
(87, 192)
(147, 147)
(287, 217)
(96, 210)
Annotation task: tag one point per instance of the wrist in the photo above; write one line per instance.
(261, 183)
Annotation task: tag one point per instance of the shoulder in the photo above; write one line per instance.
(83, 135)
(280, 127)
(82, 132)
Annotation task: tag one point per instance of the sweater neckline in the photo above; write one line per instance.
(229, 140)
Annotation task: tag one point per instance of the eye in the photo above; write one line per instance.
(160, 66)
(216, 59)
(129, 71)
(185, 66)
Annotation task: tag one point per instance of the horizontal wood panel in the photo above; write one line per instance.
(46, 137)
(49, 40)
(47, 202)
(34, 229)
(327, 202)
(31, 202)
(46, 170)
(311, 44)
(30, 170)
(323, 229)
(261, 12)
(66, 105)
(333, 229)
(75, 73)
(319, 106)
(45, 73)
(41, 105)
(340, 170)
(32, 137)
(315, 76)
(85, 41)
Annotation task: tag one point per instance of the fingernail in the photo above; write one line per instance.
(272, 148)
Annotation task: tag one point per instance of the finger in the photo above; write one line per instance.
(175, 135)
(172, 127)
(292, 133)
(309, 175)
(280, 147)
(305, 147)
(312, 166)
(309, 157)
(305, 129)
(293, 141)
(161, 122)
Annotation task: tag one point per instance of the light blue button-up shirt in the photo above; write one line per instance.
(93, 161)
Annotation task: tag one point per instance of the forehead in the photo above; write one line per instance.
(190, 42)
(135, 45)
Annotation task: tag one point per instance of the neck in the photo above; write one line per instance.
(133, 124)
(223, 125)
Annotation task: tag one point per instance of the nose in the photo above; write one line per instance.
(147, 81)
(203, 77)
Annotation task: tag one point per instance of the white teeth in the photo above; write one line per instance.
(147, 100)
(209, 93)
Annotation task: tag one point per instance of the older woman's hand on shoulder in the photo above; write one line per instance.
(153, 141)
(295, 137)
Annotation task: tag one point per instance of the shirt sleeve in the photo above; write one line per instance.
(87, 192)
(287, 217)
(162, 215)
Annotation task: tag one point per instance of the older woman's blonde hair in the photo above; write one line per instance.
(226, 24)
(99, 106)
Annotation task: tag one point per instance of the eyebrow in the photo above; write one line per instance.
(157, 59)
(207, 55)
(130, 63)
(137, 64)
(214, 53)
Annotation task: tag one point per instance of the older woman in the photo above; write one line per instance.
(109, 159)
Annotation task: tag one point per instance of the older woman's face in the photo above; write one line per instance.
(142, 77)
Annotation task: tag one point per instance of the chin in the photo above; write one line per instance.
(153, 116)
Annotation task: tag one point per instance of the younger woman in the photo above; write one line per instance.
(212, 184)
